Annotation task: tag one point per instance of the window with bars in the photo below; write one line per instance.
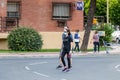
(13, 9)
(61, 11)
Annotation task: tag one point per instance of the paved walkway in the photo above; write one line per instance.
(115, 50)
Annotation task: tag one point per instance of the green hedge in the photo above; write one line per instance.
(108, 31)
(24, 39)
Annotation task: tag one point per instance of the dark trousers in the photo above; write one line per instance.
(68, 58)
(77, 46)
(96, 46)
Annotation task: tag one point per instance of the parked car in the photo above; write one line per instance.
(116, 36)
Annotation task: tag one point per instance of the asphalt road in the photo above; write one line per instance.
(89, 67)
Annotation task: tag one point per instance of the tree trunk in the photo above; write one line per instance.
(89, 25)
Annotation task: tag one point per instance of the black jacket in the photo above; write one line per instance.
(67, 43)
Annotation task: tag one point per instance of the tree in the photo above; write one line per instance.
(115, 12)
(101, 8)
(89, 25)
(86, 7)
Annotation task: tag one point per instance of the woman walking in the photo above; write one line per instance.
(66, 51)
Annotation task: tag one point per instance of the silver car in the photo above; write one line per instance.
(116, 36)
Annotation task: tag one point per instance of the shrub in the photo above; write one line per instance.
(108, 31)
(24, 39)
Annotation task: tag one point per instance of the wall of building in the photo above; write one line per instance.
(3, 4)
(51, 40)
(38, 14)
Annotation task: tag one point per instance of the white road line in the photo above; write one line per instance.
(38, 63)
(41, 74)
(117, 67)
(27, 68)
(35, 72)
(118, 70)
(63, 79)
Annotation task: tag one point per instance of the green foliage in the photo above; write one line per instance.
(115, 12)
(101, 8)
(108, 31)
(86, 6)
(24, 39)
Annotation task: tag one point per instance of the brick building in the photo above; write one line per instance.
(42, 15)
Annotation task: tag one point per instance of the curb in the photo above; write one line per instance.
(54, 54)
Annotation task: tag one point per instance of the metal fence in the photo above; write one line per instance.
(7, 23)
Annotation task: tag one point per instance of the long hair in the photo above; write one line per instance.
(68, 31)
(96, 32)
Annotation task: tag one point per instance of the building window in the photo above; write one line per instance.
(61, 11)
(11, 22)
(13, 9)
(61, 23)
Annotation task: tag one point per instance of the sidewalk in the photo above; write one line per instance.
(115, 50)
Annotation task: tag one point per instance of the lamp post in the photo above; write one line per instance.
(107, 11)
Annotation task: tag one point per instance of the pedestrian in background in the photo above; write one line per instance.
(77, 41)
(96, 42)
